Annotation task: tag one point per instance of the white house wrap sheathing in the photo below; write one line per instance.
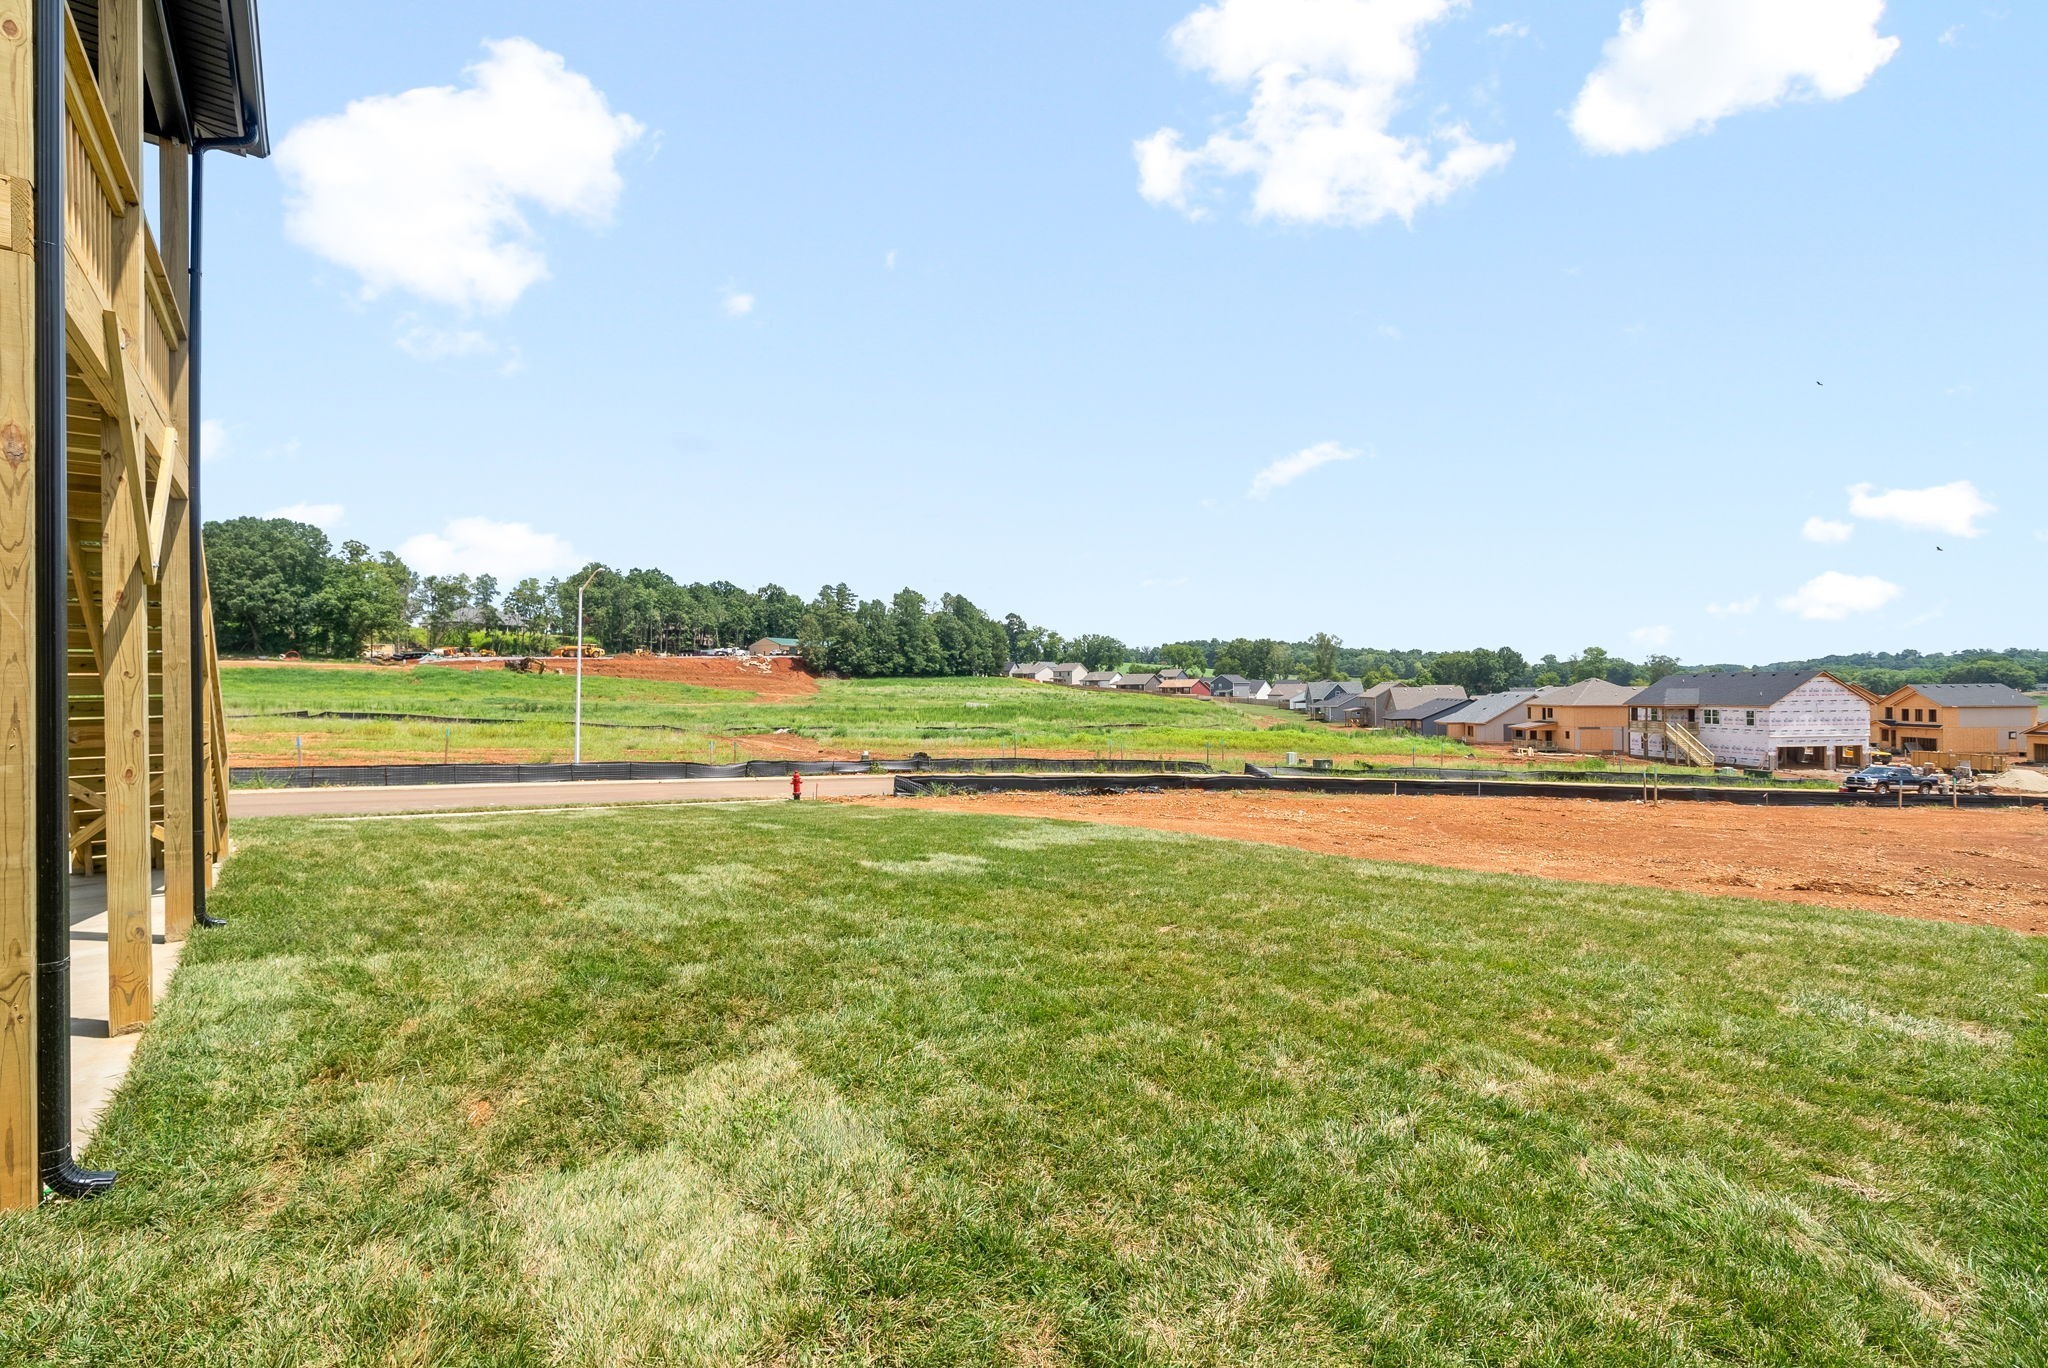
(1819, 712)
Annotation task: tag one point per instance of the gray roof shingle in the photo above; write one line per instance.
(1490, 707)
(1975, 695)
(1724, 689)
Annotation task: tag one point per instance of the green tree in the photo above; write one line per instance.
(1323, 655)
(1184, 655)
(1099, 652)
(1990, 670)
(446, 596)
(1657, 667)
(1595, 663)
(483, 592)
(361, 600)
(524, 607)
(267, 576)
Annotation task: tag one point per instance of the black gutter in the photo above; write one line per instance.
(53, 635)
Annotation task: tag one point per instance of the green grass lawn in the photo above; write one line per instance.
(823, 1084)
(886, 716)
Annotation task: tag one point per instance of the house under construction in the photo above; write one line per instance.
(111, 760)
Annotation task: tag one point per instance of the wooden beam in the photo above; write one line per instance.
(120, 423)
(179, 783)
(217, 734)
(161, 297)
(160, 502)
(87, 609)
(125, 698)
(21, 1183)
(96, 128)
(174, 220)
(83, 837)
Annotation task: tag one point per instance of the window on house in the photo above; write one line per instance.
(1887, 714)
(1934, 714)
(1749, 718)
(1713, 717)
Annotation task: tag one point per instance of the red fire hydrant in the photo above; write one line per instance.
(796, 787)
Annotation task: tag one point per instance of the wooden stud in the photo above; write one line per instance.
(179, 786)
(125, 694)
(20, 1182)
(88, 611)
(183, 676)
(125, 569)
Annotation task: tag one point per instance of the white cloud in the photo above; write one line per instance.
(322, 516)
(1833, 596)
(1515, 30)
(1390, 332)
(1827, 531)
(426, 342)
(1951, 508)
(1734, 607)
(889, 260)
(737, 303)
(1651, 636)
(1326, 79)
(479, 546)
(1288, 469)
(213, 440)
(425, 191)
(1679, 66)
(1950, 34)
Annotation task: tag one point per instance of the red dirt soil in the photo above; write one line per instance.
(768, 679)
(1981, 868)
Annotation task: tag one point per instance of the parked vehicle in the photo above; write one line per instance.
(1889, 779)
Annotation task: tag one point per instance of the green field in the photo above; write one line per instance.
(648, 720)
(829, 1084)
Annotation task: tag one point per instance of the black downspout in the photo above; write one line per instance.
(195, 553)
(195, 556)
(53, 635)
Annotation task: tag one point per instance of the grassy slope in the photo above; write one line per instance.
(797, 1085)
(888, 716)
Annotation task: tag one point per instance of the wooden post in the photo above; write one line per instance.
(182, 788)
(20, 1182)
(124, 543)
(125, 631)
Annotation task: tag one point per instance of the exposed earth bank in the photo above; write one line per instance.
(1977, 867)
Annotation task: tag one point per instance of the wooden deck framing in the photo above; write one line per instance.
(132, 676)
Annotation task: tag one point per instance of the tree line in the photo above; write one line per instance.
(281, 585)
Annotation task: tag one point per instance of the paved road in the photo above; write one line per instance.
(313, 802)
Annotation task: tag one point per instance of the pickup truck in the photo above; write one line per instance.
(1889, 779)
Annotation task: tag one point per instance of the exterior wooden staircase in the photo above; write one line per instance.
(1689, 745)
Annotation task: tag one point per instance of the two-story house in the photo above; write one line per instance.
(1759, 719)
(1962, 719)
(1590, 716)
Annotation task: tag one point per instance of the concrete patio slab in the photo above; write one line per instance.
(99, 1061)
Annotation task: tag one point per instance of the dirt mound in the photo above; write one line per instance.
(768, 678)
(1980, 867)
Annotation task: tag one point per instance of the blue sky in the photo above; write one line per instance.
(1520, 309)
